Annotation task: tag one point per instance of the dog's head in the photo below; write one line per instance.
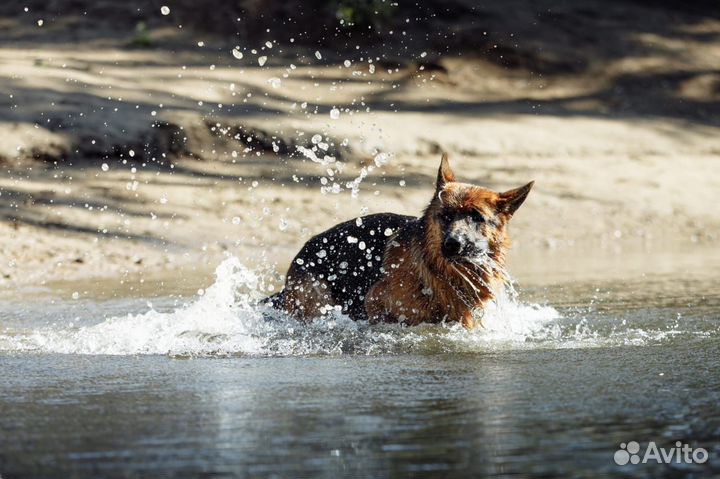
(472, 219)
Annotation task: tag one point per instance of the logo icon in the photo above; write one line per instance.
(680, 454)
(628, 453)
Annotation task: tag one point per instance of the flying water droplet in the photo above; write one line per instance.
(381, 159)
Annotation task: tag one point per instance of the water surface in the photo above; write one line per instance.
(134, 386)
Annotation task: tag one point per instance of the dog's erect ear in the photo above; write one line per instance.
(445, 174)
(511, 200)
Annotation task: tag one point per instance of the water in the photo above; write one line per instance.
(134, 386)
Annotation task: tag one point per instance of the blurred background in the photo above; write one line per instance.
(143, 137)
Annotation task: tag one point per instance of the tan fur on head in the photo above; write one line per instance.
(420, 283)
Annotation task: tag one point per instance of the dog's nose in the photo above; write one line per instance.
(451, 246)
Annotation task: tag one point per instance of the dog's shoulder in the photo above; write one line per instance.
(351, 241)
(378, 226)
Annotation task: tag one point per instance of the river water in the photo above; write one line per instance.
(204, 385)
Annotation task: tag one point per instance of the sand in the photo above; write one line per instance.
(119, 162)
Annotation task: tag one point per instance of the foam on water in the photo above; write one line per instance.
(226, 320)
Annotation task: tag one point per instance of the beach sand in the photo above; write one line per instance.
(118, 162)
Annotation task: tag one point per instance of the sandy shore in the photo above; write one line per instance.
(117, 162)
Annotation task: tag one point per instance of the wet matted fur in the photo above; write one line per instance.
(387, 267)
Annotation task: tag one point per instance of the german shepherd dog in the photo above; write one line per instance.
(393, 268)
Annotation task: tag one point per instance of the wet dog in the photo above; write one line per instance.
(393, 268)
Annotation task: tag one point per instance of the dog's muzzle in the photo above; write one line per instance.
(452, 246)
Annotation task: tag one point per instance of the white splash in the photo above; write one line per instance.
(226, 320)
(222, 320)
(310, 154)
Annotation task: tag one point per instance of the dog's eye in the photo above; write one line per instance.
(477, 216)
(445, 217)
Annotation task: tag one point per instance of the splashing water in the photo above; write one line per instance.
(228, 321)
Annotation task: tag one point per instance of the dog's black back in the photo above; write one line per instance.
(347, 258)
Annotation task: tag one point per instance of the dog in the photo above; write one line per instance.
(395, 268)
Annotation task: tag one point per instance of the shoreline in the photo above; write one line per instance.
(531, 268)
